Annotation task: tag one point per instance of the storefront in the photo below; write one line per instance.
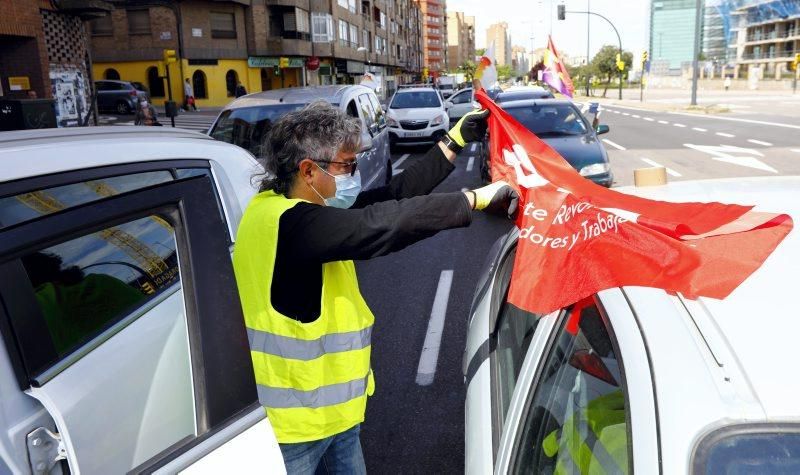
(277, 73)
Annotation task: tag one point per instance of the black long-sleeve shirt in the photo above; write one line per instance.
(382, 220)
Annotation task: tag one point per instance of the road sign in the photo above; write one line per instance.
(170, 56)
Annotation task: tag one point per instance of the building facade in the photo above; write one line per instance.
(519, 60)
(672, 32)
(768, 38)
(262, 44)
(44, 53)
(434, 35)
(498, 34)
(460, 40)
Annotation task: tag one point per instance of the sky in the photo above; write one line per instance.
(535, 18)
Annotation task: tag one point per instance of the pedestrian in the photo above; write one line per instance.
(308, 325)
(188, 93)
(145, 115)
(727, 82)
(240, 90)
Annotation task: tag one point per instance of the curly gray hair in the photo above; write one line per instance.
(318, 131)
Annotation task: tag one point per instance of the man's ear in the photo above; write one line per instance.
(307, 167)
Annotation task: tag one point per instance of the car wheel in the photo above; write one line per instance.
(123, 108)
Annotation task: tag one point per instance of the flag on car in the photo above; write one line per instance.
(577, 238)
(555, 74)
(486, 71)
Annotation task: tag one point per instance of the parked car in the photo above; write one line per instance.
(123, 344)
(517, 93)
(562, 126)
(640, 380)
(246, 121)
(459, 104)
(120, 96)
(416, 115)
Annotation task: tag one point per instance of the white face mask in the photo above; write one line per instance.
(347, 189)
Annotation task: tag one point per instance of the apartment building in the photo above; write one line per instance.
(264, 44)
(460, 39)
(498, 34)
(768, 38)
(434, 35)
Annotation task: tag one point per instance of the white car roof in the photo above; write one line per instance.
(733, 359)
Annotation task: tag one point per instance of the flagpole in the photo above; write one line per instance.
(588, 20)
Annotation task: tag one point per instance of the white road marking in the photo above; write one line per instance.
(649, 119)
(699, 129)
(679, 125)
(396, 171)
(399, 162)
(759, 142)
(616, 146)
(747, 121)
(656, 164)
(797, 150)
(635, 116)
(473, 147)
(470, 163)
(723, 134)
(433, 339)
(736, 155)
(625, 113)
(663, 122)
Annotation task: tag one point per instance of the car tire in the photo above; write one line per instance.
(123, 108)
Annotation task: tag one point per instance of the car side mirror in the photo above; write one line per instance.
(602, 129)
(447, 105)
(366, 142)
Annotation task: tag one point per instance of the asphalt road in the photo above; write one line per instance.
(411, 428)
(700, 147)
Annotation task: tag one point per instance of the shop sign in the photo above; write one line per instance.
(312, 63)
(324, 70)
(354, 67)
(341, 66)
(271, 62)
(19, 83)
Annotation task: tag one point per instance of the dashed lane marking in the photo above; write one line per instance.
(615, 145)
(654, 163)
(759, 142)
(679, 125)
(663, 122)
(649, 119)
(399, 162)
(699, 129)
(433, 338)
(636, 116)
(473, 147)
(625, 113)
(723, 134)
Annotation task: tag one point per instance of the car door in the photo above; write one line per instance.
(381, 140)
(368, 160)
(103, 95)
(459, 104)
(121, 318)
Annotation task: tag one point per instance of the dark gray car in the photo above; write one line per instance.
(246, 121)
(120, 96)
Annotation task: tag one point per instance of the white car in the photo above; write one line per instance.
(640, 380)
(123, 344)
(416, 115)
(459, 104)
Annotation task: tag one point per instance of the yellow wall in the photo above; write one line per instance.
(215, 78)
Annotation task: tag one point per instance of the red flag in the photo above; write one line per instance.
(577, 238)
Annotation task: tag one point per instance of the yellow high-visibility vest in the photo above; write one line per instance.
(313, 379)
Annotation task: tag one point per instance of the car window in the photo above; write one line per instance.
(84, 285)
(577, 418)
(550, 120)
(352, 110)
(513, 334)
(462, 97)
(32, 205)
(248, 127)
(368, 112)
(101, 86)
(415, 99)
(379, 114)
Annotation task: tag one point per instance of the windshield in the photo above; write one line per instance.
(415, 100)
(550, 120)
(248, 126)
(522, 95)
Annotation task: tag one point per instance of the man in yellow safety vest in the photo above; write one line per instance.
(308, 325)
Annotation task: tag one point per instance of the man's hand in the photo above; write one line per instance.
(498, 198)
(470, 128)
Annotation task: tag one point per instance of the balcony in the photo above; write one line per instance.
(280, 46)
(756, 37)
(778, 55)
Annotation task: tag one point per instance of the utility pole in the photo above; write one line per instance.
(588, 20)
(698, 16)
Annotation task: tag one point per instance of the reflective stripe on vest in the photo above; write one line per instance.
(298, 349)
(281, 398)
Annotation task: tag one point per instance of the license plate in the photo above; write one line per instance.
(414, 134)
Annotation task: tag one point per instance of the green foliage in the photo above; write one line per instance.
(604, 64)
(468, 68)
(480, 51)
(504, 71)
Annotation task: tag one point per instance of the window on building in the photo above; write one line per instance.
(111, 73)
(343, 33)
(302, 20)
(199, 85)
(365, 39)
(223, 25)
(342, 3)
(354, 36)
(154, 82)
(102, 26)
(138, 22)
(321, 27)
(383, 20)
(351, 5)
(231, 79)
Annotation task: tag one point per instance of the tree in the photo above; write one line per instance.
(480, 51)
(468, 68)
(533, 74)
(604, 63)
(504, 71)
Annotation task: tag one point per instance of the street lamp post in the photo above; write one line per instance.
(696, 59)
(619, 39)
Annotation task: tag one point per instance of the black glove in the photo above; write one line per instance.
(470, 128)
(498, 198)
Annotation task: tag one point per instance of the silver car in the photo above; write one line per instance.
(246, 121)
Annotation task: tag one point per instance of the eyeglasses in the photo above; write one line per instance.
(348, 165)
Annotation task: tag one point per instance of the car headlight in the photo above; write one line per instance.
(437, 120)
(594, 169)
(392, 122)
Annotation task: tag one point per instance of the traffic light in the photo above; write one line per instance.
(620, 62)
(562, 12)
(796, 61)
(644, 57)
(284, 63)
(170, 56)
